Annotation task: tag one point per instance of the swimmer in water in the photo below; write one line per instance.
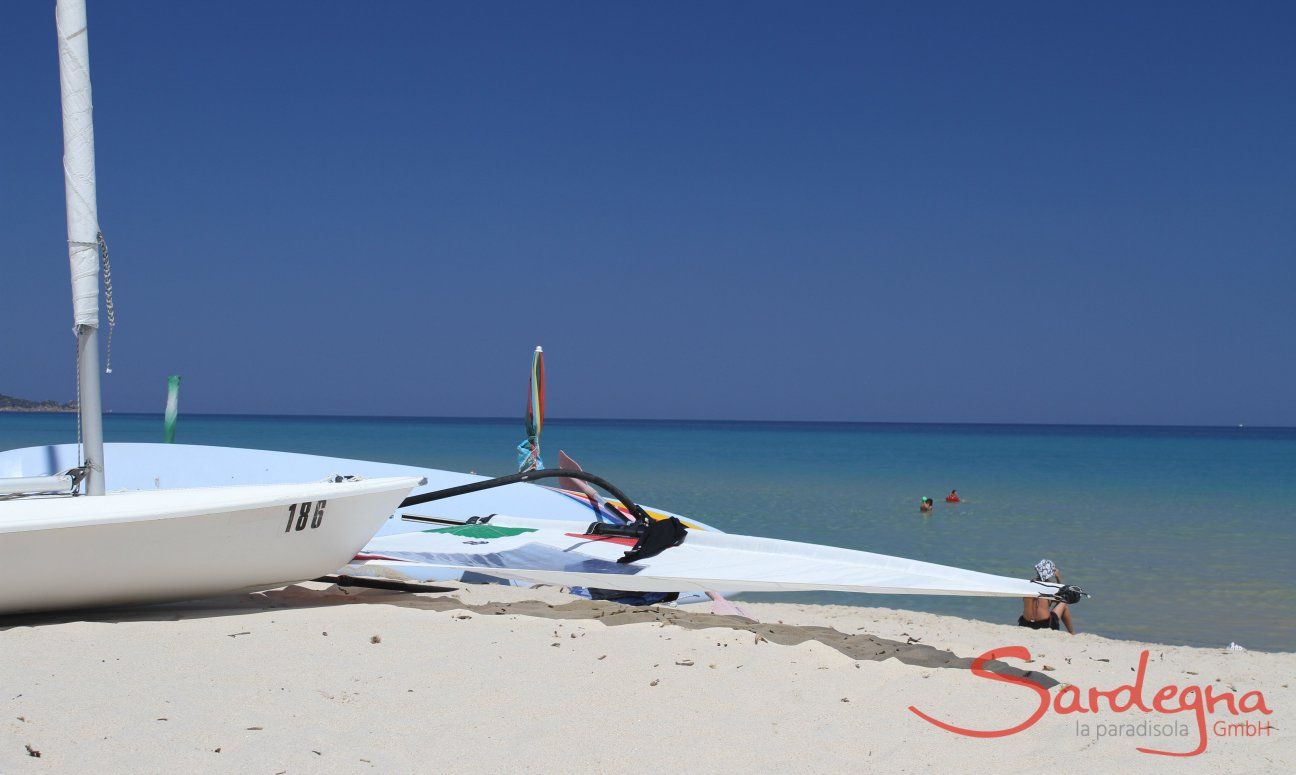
(953, 497)
(926, 505)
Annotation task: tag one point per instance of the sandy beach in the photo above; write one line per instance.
(316, 678)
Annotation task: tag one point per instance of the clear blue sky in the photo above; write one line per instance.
(1034, 212)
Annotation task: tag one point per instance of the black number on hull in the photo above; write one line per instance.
(301, 514)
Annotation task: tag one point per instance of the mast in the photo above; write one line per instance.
(82, 226)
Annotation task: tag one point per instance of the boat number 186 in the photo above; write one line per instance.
(302, 513)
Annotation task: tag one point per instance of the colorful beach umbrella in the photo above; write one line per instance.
(529, 449)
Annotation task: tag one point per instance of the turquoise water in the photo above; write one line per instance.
(1182, 535)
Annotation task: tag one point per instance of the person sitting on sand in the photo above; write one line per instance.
(926, 505)
(953, 497)
(1039, 613)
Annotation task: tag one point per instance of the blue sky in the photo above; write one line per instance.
(1021, 212)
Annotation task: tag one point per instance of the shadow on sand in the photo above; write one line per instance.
(861, 647)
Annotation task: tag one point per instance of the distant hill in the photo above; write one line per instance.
(12, 404)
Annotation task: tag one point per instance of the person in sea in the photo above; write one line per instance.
(1041, 614)
(926, 505)
(953, 497)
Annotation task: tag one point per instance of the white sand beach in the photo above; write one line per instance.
(313, 678)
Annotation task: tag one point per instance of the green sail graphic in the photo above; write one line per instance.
(172, 408)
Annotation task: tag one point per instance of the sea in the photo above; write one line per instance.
(1182, 535)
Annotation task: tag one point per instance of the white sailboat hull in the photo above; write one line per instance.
(151, 546)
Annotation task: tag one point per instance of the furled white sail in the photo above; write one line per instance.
(79, 160)
(543, 551)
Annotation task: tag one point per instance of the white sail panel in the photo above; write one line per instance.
(561, 553)
(79, 160)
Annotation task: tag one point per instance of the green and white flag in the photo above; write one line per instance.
(172, 407)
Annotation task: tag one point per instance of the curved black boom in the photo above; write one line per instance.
(636, 512)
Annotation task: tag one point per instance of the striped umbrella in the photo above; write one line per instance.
(529, 449)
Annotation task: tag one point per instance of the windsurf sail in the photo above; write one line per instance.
(529, 449)
(576, 554)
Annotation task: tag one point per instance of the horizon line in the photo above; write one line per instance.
(484, 418)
